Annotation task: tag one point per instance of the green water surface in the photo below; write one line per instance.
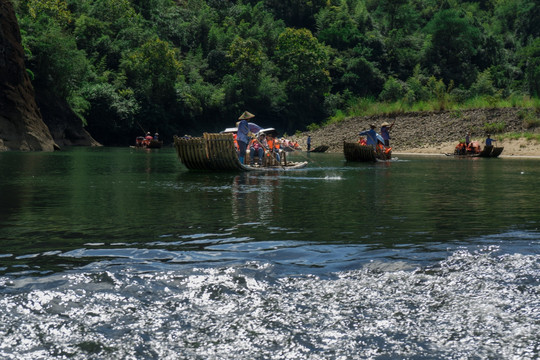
(125, 203)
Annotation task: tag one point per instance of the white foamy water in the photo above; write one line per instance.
(471, 305)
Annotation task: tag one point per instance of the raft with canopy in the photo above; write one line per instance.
(356, 152)
(217, 152)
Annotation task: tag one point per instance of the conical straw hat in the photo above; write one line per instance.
(246, 115)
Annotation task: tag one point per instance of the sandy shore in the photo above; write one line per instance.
(512, 148)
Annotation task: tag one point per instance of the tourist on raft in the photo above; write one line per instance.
(273, 146)
(257, 147)
(243, 134)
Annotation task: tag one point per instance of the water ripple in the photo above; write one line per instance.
(477, 305)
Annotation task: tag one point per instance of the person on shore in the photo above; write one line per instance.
(243, 133)
(308, 143)
(489, 140)
(371, 135)
(385, 132)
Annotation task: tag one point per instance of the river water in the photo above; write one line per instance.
(111, 253)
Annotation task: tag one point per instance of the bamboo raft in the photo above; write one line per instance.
(155, 144)
(217, 152)
(320, 149)
(489, 151)
(363, 153)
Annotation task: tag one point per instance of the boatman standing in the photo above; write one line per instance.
(243, 133)
(385, 132)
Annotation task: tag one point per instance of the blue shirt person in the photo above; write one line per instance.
(242, 134)
(371, 135)
(489, 140)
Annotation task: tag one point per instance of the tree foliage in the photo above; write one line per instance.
(181, 66)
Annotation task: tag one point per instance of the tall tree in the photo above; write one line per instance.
(303, 62)
(453, 46)
(531, 65)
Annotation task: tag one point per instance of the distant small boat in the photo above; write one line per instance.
(142, 142)
(356, 152)
(489, 151)
(217, 152)
(320, 149)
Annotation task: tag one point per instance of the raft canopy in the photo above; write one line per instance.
(254, 128)
(268, 131)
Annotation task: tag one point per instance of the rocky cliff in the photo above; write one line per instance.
(65, 127)
(27, 124)
(21, 125)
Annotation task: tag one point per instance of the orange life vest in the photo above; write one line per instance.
(272, 143)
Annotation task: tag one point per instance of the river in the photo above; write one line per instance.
(118, 253)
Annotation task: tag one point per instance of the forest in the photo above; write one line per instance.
(190, 66)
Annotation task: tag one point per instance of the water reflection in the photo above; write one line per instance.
(255, 198)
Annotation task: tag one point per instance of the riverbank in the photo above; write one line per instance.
(432, 132)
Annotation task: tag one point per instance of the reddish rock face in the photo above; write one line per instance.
(21, 124)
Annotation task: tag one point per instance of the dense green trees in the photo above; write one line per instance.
(180, 66)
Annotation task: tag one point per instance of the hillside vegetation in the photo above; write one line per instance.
(187, 66)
